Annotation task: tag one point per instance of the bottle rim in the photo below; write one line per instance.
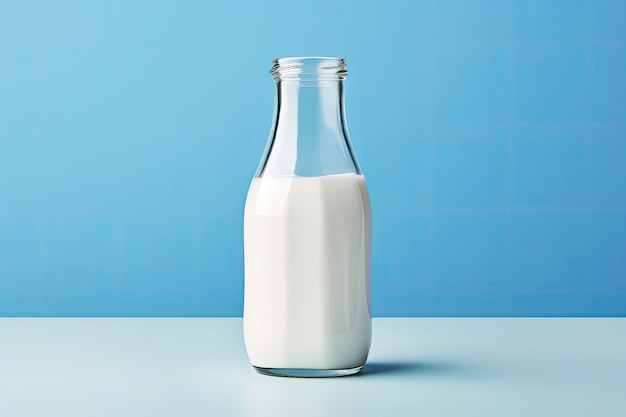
(309, 67)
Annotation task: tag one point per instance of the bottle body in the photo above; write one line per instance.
(307, 244)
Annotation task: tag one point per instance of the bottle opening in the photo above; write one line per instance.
(309, 68)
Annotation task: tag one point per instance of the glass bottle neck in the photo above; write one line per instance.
(310, 108)
(309, 136)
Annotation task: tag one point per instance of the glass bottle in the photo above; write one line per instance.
(307, 232)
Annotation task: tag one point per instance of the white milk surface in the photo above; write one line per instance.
(307, 272)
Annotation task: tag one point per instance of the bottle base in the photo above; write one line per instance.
(307, 373)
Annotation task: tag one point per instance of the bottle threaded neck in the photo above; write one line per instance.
(309, 68)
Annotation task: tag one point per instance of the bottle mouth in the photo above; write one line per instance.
(309, 68)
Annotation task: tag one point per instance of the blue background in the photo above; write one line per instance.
(492, 135)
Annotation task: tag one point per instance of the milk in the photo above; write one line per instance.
(307, 272)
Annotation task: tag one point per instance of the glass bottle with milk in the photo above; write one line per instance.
(307, 233)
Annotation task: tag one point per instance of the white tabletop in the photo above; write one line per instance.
(198, 367)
